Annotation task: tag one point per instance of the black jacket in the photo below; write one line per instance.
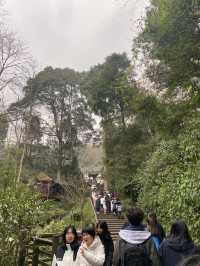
(161, 233)
(109, 249)
(172, 251)
(136, 235)
(62, 248)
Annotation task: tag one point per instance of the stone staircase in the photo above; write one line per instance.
(114, 223)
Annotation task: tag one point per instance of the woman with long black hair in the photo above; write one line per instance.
(156, 229)
(67, 252)
(177, 246)
(106, 239)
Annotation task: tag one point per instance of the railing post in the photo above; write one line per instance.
(55, 244)
(35, 259)
(23, 249)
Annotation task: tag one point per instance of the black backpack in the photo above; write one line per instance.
(133, 255)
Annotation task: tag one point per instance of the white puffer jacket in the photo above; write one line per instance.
(94, 255)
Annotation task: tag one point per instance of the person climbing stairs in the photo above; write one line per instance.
(114, 223)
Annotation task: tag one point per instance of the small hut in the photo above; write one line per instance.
(44, 184)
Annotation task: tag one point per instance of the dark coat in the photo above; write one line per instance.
(98, 205)
(172, 251)
(161, 232)
(130, 234)
(62, 248)
(109, 249)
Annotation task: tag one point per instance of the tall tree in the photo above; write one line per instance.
(171, 39)
(107, 89)
(64, 111)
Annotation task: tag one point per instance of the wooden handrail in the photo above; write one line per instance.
(44, 241)
(49, 235)
(43, 263)
(47, 255)
(95, 214)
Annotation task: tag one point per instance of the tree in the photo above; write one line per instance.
(15, 60)
(171, 40)
(107, 89)
(66, 112)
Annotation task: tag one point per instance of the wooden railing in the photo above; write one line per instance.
(93, 208)
(42, 249)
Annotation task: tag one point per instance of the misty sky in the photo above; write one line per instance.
(75, 33)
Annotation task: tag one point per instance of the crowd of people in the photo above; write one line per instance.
(138, 244)
(107, 203)
(94, 247)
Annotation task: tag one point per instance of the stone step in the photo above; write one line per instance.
(114, 229)
(115, 226)
(110, 217)
(112, 220)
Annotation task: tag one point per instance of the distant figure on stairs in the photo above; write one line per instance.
(106, 239)
(108, 203)
(114, 206)
(98, 204)
(103, 204)
(119, 209)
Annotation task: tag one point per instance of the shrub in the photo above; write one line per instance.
(171, 178)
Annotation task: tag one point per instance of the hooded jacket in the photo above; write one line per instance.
(136, 235)
(93, 255)
(172, 251)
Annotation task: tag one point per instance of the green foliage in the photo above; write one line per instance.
(20, 212)
(171, 37)
(54, 210)
(3, 126)
(58, 92)
(170, 178)
(8, 166)
(156, 116)
(57, 226)
(107, 89)
(124, 150)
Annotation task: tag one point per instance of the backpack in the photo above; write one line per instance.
(156, 242)
(133, 255)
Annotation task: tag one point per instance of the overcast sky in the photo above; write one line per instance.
(75, 33)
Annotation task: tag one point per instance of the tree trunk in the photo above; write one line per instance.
(122, 115)
(58, 175)
(60, 159)
(21, 163)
